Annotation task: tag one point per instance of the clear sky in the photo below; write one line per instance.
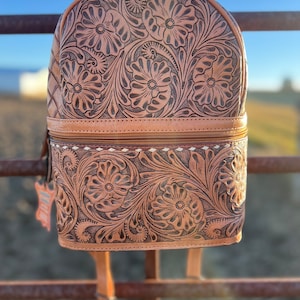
(272, 56)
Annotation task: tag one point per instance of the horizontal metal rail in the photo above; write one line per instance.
(248, 21)
(275, 164)
(268, 21)
(256, 165)
(23, 24)
(10, 168)
(86, 289)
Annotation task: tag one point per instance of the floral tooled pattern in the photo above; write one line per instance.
(150, 88)
(66, 210)
(212, 86)
(81, 89)
(95, 62)
(233, 175)
(136, 6)
(104, 31)
(169, 21)
(118, 197)
(150, 59)
(178, 207)
(108, 188)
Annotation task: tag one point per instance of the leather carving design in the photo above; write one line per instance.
(174, 176)
(165, 197)
(133, 59)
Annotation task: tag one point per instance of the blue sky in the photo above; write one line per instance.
(272, 56)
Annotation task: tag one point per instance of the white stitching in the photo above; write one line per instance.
(152, 149)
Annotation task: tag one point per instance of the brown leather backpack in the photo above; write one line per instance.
(147, 125)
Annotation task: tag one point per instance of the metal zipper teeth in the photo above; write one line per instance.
(151, 139)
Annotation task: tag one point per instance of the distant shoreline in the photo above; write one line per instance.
(23, 83)
(10, 79)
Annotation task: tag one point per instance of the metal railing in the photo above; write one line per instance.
(154, 288)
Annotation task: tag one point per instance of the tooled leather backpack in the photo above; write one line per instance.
(147, 125)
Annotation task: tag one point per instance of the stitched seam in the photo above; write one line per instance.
(164, 245)
(154, 131)
(181, 148)
(143, 120)
(147, 130)
(96, 130)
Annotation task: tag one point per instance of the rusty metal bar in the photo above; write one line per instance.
(12, 24)
(256, 165)
(251, 288)
(235, 288)
(248, 21)
(268, 21)
(276, 164)
(47, 290)
(23, 168)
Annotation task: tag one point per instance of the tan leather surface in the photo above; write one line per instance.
(194, 263)
(96, 127)
(105, 281)
(141, 66)
(137, 197)
(146, 115)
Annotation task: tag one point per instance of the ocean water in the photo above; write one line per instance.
(10, 80)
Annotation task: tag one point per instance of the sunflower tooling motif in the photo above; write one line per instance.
(150, 87)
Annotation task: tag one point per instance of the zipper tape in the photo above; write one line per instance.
(139, 130)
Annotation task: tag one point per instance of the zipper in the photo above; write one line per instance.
(151, 138)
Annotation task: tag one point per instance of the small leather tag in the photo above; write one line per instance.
(45, 200)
